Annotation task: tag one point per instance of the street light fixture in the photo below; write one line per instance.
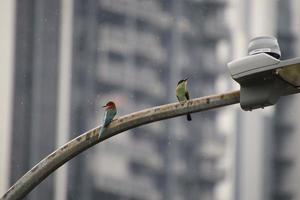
(262, 76)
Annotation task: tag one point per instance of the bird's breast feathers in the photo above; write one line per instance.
(180, 92)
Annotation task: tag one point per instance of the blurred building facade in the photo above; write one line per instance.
(72, 57)
(143, 48)
(7, 18)
(133, 51)
(285, 161)
(35, 86)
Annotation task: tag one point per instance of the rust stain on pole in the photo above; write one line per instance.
(56, 159)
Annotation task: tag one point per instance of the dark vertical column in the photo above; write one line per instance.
(237, 157)
(22, 90)
(282, 163)
(83, 78)
(173, 77)
(35, 96)
(44, 87)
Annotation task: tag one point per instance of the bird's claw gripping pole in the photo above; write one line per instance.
(56, 159)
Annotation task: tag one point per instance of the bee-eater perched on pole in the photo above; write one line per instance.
(182, 94)
(110, 113)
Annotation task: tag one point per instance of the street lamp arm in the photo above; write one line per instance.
(56, 159)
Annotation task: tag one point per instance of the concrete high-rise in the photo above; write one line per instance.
(7, 18)
(73, 56)
(34, 99)
(143, 48)
(285, 164)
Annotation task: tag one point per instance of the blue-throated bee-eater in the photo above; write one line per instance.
(110, 113)
(182, 94)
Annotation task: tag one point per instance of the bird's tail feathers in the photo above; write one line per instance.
(103, 128)
(189, 117)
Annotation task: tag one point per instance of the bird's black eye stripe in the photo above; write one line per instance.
(180, 82)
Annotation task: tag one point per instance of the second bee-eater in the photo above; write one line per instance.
(182, 94)
(110, 113)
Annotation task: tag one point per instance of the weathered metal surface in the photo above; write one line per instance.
(56, 159)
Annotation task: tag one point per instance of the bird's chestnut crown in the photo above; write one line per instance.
(110, 105)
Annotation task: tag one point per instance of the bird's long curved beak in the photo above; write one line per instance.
(104, 106)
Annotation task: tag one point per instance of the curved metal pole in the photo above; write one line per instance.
(56, 159)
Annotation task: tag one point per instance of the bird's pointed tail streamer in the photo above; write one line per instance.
(189, 117)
